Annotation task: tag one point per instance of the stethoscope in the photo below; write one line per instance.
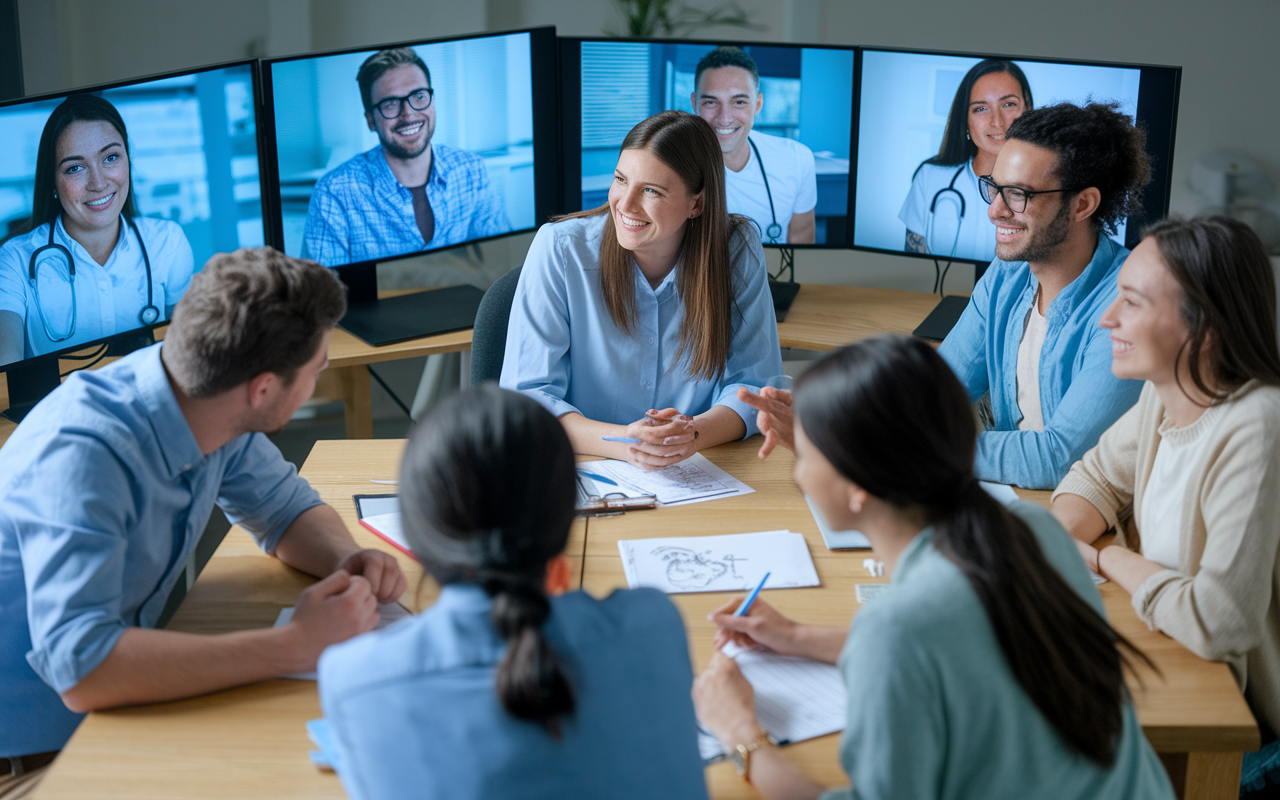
(933, 206)
(774, 230)
(147, 316)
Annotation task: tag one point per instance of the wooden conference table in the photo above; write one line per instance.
(250, 742)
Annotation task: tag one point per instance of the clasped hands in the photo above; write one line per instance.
(665, 437)
(344, 604)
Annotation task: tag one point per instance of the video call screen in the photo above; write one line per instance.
(904, 204)
(800, 126)
(449, 162)
(190, 172)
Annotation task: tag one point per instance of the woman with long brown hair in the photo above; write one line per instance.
(640, 319)
(1187, 478)
(987, 668)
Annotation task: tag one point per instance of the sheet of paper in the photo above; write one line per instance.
(1000, 491)
(389, 528)
(867, 592)
(587, 485)
(733, 562)
(796, 698)
(856, 540)
(387, 614)
(693, 480)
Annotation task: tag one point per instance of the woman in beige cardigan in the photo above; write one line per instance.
(1189, 478)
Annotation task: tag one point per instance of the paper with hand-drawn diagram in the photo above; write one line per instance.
(733, 562)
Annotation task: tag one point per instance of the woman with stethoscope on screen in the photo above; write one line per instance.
(89, 267)
(944, 214)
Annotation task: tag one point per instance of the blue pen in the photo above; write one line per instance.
(626, 439)
(751, 598)
(597, 478)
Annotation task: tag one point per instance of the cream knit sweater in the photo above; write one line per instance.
(1223, 601)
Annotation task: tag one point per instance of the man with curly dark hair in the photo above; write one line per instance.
(1065, 179)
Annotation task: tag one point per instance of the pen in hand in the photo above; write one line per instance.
(751, 598)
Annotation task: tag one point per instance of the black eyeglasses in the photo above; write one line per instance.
(420, 100)
(1015, 198)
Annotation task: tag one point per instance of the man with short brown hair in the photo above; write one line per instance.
(106, 486)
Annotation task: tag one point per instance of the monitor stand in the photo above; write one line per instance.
(31, 381)
(942, 318)
(383, 321)
(784, 292)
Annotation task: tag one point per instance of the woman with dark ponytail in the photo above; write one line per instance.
(987, 669)
(509, 686)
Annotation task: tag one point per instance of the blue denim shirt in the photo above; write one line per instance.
(104, 494)
(414, 705)
(1079, 397)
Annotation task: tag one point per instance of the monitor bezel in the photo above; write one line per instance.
(130, 334)
(571, 117)
(542, 41)
(1159, 188)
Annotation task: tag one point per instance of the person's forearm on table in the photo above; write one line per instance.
(1079, 517)
(1125, 567)
(150, 666)
(316, 541)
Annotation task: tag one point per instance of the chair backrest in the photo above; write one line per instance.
(489, 339)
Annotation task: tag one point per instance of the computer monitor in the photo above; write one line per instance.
(111, 198)
(392, 151)
(783, 114)
(916, 187)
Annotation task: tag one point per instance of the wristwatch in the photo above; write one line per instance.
(740, 755)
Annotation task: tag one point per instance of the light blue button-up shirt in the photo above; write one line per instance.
(565, 351)
(103, 496)
(935, 711)
(413, 709)
(360, 212)
(1079, 396)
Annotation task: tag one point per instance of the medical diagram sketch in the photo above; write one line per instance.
(733, 562)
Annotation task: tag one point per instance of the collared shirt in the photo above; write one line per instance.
(414, 705)
(565, 351)
(1079, 396)
(933, 211)
(108, 297)
(360, 212)
(935, 710)
(103, 496)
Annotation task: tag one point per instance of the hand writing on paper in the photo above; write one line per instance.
(725, 702)
(381, 570)
(331, 611)
(775, 416)
(666, 437)
(762, 625)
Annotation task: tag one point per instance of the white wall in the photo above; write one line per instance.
(1227, 48)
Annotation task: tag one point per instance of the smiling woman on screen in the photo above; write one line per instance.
(90, 267)
(944, 214)
(641, 318)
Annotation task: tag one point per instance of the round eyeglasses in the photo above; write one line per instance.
(1015, 198)
(419, 100)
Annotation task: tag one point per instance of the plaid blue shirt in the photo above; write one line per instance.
(360, 212)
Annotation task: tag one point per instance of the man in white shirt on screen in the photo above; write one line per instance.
(770, 179)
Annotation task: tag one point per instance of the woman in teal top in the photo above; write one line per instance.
(987, 669)
(500, 690)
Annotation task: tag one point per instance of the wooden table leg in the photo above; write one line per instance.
(1212, 776)
(356, 401)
